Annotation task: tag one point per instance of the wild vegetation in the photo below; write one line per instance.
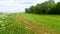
(10, 24)
(25, 23)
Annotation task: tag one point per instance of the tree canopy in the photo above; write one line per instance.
(47, 7)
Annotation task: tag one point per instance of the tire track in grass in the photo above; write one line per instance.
(34, 27)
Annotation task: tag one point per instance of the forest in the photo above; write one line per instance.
(47, 7)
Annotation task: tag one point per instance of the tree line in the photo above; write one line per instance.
(47, 7)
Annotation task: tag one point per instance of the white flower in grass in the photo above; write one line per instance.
(2, 15)
(46, 33)
(1, 21)
(2, 24)
(3, 18)
(26, 27)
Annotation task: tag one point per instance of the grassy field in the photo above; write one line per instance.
(16, 24)
(9, 24)
(49, 21)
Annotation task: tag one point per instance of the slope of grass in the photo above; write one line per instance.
(9, 24)
(50, 21)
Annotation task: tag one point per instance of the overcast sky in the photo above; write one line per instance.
(17, 5)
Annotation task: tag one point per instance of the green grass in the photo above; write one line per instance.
(11, 25)
(49, 21)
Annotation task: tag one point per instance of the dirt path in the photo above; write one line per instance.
(34, 27)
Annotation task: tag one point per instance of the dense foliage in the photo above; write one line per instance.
(47, 7)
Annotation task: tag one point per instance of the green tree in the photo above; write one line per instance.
(58, 8)
(48, 7)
